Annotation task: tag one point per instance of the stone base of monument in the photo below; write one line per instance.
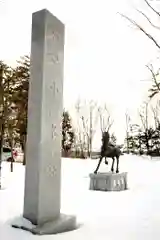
(64, 223)
(108, 181)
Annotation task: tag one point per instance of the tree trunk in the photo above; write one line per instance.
(11, 166)
(147, 144)
(24, 154)
(1, 119)
(127, 143)
(90, 133)
(140, 145)
(12, 157)
(1, 151)
(23, 146)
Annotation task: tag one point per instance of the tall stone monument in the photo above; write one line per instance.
(43, 149)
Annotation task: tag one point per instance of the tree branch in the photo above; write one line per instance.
(154, 77)
(141, 29)
(144, 15)
(155, 11)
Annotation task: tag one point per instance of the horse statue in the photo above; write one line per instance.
(110, 151)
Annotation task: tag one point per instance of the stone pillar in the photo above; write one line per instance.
(43, 149)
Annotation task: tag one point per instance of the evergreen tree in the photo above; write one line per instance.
(6, 91)
(20, 99)
(67, 133)
(113, 139)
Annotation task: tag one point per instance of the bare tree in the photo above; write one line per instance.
(144, 115)
(155, 89)
(89, 114)
(155, 111)
(80, 142)
(156, 84)
(141, 28)
(105, 118)
(89, 121)
(128, 119)
(145, 124)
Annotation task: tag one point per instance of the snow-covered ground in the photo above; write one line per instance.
(127, 215)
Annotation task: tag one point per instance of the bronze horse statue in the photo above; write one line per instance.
(110, 151)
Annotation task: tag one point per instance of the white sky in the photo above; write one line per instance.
(105, 58)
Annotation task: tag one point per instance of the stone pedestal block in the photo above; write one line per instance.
(108, 181)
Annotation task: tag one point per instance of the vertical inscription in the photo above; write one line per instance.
(54, 131)
(51, 170)
(55, 35)
(53, 59)
(52, 56)
(54, 88)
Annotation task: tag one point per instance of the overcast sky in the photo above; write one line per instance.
(105, 57)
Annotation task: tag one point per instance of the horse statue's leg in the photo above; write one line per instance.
(106, 162)
(112, 168)
(100, 160)
(117, 170)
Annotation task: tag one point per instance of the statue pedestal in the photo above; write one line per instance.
(108, 181)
